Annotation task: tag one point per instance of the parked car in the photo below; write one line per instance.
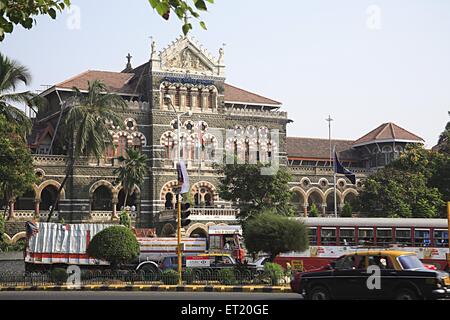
(402, 276)
(260, 262)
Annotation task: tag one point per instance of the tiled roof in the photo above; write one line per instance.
(128, 82)
(234, 94)
(115, 81)
(312, 148)
(387, 132)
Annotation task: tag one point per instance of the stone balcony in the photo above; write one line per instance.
(325, 171)
(203, 214)
(255, 113)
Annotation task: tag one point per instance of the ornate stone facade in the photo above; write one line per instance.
(224, 120)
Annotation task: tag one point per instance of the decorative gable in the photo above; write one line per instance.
(188, 56)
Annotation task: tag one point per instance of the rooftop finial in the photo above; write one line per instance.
(128, 67)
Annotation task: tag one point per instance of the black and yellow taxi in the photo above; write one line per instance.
(373, 274)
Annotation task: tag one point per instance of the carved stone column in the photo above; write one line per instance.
(324, 208)
(37, 203)
(183, 94)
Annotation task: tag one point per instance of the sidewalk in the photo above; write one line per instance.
(182, 288)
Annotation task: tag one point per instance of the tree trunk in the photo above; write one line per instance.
(68, 173)
(126, 198)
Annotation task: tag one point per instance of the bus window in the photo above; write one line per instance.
(312, 233)
(328, 236)
(214, 242)
(347, 236)
(422, 237)
(441, 238)
(365, 236)
(384, 235)
(403, 236)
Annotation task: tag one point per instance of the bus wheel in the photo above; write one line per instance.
(151, 273)
(319, 293)
(405, 294)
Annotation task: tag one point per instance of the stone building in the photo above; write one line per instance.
(312, 167)
(224, 120)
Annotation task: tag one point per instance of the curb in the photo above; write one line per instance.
(162, 288)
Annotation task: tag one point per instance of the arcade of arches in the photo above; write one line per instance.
(103, 197)
(324, 200)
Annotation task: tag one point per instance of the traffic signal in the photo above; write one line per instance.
(185, 212)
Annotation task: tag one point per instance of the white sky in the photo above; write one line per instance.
(363, 62)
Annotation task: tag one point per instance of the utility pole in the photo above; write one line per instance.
(329, 120)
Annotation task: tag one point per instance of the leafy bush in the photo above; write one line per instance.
(274, 234)
(188, 276)
(115, 244)
(170, 277)
(124, 219)
(347, 211)
(314, 212)
(274, 271)
(2, 226)
(13, 247)
(227, 276)
(59, 276)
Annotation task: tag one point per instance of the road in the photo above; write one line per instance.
(124, 295)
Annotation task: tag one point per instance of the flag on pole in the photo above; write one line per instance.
(339, 168)
(183, 178)
(31, 229)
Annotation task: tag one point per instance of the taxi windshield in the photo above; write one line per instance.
(410, 262)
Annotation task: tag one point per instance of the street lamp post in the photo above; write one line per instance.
(168, 100)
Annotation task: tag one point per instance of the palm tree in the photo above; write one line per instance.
(12, 74)
(87, 125)
(132, 171)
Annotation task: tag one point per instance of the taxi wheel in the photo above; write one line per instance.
(319, 293)
(405, 294)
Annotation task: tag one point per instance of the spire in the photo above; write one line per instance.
(128, 66)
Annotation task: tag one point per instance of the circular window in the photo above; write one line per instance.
(306, 182)
(174, 124)
(39, 174)
(323, 183)
(341, 184)
(189, 126)
(130, 124)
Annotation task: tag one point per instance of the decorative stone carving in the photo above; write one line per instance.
(187, 60)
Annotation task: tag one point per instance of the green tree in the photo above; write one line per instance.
(117, 245)
(12, 74)
(434, 165)
(273, 234)
(132, 171)
(22, 12)
(444, 139)
(314, 212)
(254, 191)
(395, 193)
(16, 163)
(182, 9)
(347, 211)
(87, 125)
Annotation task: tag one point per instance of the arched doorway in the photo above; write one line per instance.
(204, 194)
(131, 200)
(26, 201)
(330, 202)
(48, 197)
(168, 230)
(169, 201)
(199, 233)
(315, 198)
(102, 199)
(298, 202)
